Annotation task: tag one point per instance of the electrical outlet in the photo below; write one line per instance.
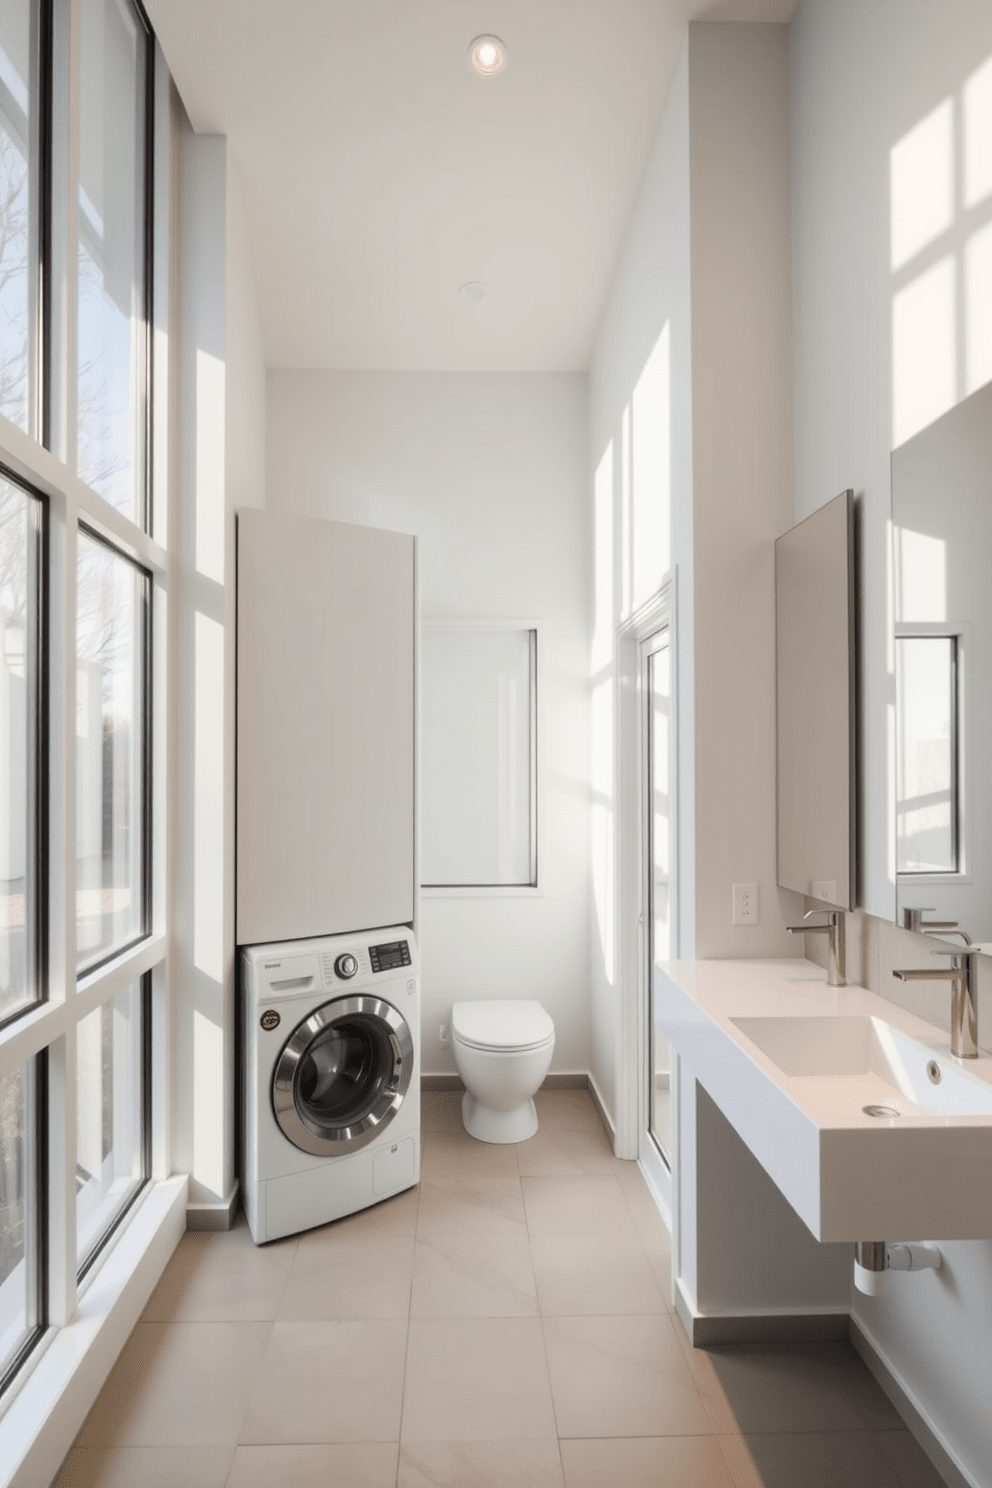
(825, 889)
(444, 1037)
(745, 911)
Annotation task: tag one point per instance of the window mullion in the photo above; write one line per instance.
(62, 1290)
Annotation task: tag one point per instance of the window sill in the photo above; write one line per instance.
(46, 1408)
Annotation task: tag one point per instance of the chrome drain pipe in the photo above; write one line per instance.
(874, 1259)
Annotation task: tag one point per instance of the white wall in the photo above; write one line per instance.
(706, 261)
(742, 476)
(649, 293)
(872, 260)
(220, 391)
(488, 471)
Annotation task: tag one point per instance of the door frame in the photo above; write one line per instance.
(632, 1141)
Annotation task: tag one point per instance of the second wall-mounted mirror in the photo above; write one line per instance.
(942, 657)
(816, 640)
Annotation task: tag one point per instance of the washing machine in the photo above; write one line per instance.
(331, 1077)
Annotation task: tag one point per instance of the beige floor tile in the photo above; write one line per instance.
(912, 1465)
(588, 1205)
(178, 1384)
(212, 1279)
(649, 1224)
(476, 1379)
(329, 1382)
(563, 1152)
(646, 1462)
(816, 1387)
(491, 1464)
(355, 1464)
(474, 1276)
(239, 1235)
(587, 1274)
(567, 1110)
(621, 1376)
(707, 1382)
(454, 1154)
(441, 1110)
(832, 1459)
(367, 1278)
(490, 1208)
(145, 1467)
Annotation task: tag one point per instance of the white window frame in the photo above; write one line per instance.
(89, 1320)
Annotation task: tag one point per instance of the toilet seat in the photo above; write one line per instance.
(503, 1027)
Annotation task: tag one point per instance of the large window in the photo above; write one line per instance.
(21, 741)
(111, 750)
(22, 1172)
(81, 960)
(18, 209)
(110, 341)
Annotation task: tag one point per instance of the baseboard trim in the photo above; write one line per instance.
(601, 1111)
(551, 1082)
(219, 1216)
(441, 1082)
(932, 1442)
(710, 1330)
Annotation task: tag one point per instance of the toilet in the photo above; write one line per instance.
(502, 1051)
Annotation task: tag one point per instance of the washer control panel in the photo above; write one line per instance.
(390, 955)
(346, 965)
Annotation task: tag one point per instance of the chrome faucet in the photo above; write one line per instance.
(964, 998)
(833, 926)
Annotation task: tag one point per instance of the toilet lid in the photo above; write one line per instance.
(501, 1025)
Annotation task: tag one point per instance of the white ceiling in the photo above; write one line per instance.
(381, 173)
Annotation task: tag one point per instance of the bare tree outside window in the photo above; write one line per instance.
(14, 219)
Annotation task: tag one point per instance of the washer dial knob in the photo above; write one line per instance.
(346, 965)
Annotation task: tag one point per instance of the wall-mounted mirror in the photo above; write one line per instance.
(817, 777)
(942, 654)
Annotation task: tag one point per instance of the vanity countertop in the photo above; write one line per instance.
(793, 1063)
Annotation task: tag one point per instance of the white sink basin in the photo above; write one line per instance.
(864, 1051)
(855, 1108)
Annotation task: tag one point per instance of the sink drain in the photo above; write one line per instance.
(881, 1111)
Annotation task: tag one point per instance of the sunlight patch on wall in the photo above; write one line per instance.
(978, 293)
(922, 184)
(924, 363)
(210, 466)
(978, 135)
(626, 517)
(208, 799)
(602, 635)
(603, 828)
(209, 1096)
(920, 578)
(651, 470)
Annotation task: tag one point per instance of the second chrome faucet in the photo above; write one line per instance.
(833, 927)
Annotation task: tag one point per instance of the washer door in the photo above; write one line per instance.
(342, 1076)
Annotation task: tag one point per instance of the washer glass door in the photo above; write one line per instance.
(342, 1075)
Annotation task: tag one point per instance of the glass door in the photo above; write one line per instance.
(658, 864)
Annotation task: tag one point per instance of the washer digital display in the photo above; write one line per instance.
(389, 956)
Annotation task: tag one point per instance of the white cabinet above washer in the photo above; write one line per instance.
(326, 727)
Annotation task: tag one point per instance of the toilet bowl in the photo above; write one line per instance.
(502, 1051)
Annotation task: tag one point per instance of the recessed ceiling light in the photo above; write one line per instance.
(487, 54)
(473, 290)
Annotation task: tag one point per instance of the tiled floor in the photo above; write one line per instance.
(506, 1324)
